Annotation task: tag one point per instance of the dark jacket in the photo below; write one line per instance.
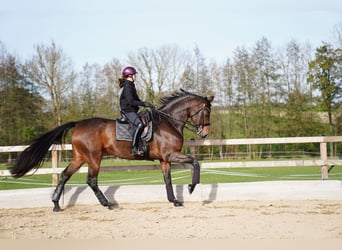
(129, 99)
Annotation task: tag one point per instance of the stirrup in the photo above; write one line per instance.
(139, 152)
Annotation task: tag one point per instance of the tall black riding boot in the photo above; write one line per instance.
(135, 142)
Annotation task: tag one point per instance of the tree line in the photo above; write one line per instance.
(260, 91)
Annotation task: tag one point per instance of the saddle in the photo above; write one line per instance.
(124, 129)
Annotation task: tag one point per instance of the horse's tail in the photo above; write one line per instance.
(33, 156)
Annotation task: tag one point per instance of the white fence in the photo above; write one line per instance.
(323, 161)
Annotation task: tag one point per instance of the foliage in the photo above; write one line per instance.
(52, 72)
(21, 112)
(326, 76)
(259, 92)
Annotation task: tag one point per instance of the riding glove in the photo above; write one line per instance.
(149, 105)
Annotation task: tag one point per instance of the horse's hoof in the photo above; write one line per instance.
(191, 188)
(177, 203)
(110, 206)
(57, 209)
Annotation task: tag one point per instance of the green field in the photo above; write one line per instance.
(179, 176)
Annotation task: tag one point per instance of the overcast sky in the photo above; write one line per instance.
(96, 31)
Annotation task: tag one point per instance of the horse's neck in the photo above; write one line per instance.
(178, 111)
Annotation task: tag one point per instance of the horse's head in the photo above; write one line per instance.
(200, 115)
(184, 105)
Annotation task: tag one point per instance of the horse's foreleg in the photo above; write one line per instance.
(195, 176)
(59, 190)
(166, 167)
(179, 157)
(92, 182)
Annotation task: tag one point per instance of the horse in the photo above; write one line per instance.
(93, 137)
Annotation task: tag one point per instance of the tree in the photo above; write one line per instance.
(167, 63)
(20, 104)
(244, 78)
(143, 62)
(325, 75)
(81, 101)
(202, 78)
(338, 35)
(266, 76)
(187, 77)
(245, 81)
(109, 98)
(296, 92)
(53, 72)
(228, 94)
(158, 69)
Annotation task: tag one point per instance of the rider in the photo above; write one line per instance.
(129, 105)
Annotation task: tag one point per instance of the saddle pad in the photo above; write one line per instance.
(124, 132)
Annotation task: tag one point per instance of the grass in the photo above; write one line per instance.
(179, 176)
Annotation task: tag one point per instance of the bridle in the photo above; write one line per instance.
(188, 124)
(199, 126)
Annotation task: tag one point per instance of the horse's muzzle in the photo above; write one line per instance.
(204, 136)
(203, 131)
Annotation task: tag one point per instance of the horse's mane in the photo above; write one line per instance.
(175, 96)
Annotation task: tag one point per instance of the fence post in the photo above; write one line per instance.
(324, 157)
(193, 149)
(54, 154)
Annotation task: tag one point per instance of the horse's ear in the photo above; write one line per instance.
(210, 98)
(184, 91)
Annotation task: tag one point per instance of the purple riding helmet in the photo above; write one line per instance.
(128, 71)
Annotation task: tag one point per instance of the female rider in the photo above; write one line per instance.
(129, 105)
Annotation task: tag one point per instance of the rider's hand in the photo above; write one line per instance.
(149, 105)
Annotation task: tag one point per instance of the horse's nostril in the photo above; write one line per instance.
(204, 136)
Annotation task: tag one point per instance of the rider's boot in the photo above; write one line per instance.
(135, 142)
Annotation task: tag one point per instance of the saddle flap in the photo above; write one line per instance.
(124, 129)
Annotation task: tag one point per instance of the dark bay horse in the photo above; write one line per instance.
(91, 138)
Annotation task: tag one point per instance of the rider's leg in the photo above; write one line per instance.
(138, 129)
(135, 141)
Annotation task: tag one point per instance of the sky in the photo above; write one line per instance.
(96, 31)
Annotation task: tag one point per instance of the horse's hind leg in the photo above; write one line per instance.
(92, 182)
(65, 176)
(58, 191)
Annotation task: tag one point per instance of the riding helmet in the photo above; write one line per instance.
(128, 71)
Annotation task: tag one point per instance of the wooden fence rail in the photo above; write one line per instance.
(324, 162)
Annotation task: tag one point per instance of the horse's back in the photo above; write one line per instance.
(93, 125)
(93, 132)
